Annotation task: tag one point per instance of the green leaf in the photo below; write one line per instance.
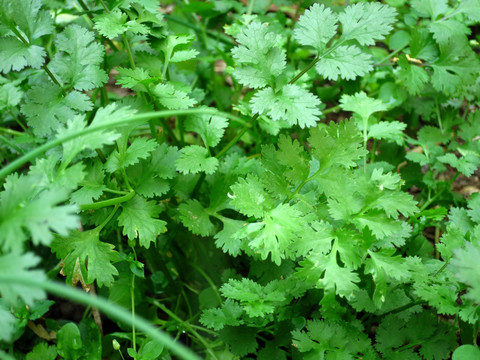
(69, 342)
(42, 351)
(337, 144)
(466, 352)
(97, 139)
(150, 176)
(111, 24)
(316, 26)
(228, 314)
(26, 16)
(249, 197)
(431, 8)
(196, 218)
(138, 219)
(241, 339)
(346, 62)
(171, 98)
(380, 225)
(226, 238)
(194, 159)
(46, 108)
(26, 210)
(77, 62)
(275, 234)
(466, 268)
(260, 61)
(467, 164)
(9, 323)
(413, 77)
(392, 131)
(367, 22)
(84, 252)
(140, 148)
(16, 264)
(293, 104)
(362, 105)
(331, 340)
(456, 67)
(136, 79)
(210, 128)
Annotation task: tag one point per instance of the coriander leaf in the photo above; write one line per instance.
(77, 62)
(471, 8)
(184, 55)
(316, 26)
(111, 24)
(9, 323)
(346, 62)
(293, 104)
(196, 218)
(10, 94)
(466, 267)
(226, 239)
(467, 164)
(83, 251)
(136, 79)
(42, 351)
(26, 16)
(228, 314)
(140, 148)
(413, 77)
(337, 144)
(256, 300)
(15, 55)
(380, 225)
(456, 68)
(276, 233)
(367, 22)
(290, 154)
(431, 8)
(362, 105)
(250, 198)
(150, 176)
(46, 108)
(444, 31)
(16, 264)
(395, 202)
(392, 131)
(171, 98)
(210, 128)
(194, 159)
(92, 185)
(260, 61)
(96, 139)
(241, 339)
(138, 219)
(26, 211)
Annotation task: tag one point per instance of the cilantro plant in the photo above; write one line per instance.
(223, 179)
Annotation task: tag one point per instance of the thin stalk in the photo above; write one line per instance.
(105, 6)
(129, 51)
(14, 165)
(11, 132)
(307, 68)
(432, 199)
(11, 144)
(107, 220)
(237, 137)
(107, 307)
(392, 54)
(187, 326)
(132, 297)
(109, 202)
(209, 281)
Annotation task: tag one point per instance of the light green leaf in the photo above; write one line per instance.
(316, 26)
(194, 159)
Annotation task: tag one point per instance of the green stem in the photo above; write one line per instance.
(107, 220)
(14, 165)
(132, 297)
(11, 144)
(11, 132)
(109, 202)
(186, 325)
(307, 68)
(392, 54)
(432, 199)
(237, 137)
(107, 307)
(105, 6)
(129, 51)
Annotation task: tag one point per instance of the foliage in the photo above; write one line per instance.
(257, 179)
